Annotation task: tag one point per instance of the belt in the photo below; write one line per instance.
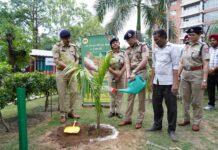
(193, 68)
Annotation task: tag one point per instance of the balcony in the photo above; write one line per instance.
(187, 2)
(190, 24)
(191, 12)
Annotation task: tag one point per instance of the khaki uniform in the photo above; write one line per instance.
(66, 55)
(116, 63)
(135, 56)
(191, 80)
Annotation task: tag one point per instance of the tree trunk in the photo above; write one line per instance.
(138, 27)
(35, 26)
(46, 101)
(4, 123)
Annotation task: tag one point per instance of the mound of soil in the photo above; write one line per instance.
(86, 133)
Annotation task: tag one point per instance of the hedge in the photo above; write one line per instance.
(35, 83)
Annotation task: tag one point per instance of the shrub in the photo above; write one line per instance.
(5, 71)
(35, 83)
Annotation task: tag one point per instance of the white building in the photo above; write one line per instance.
(194, 13)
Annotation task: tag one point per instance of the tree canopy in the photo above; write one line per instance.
(37, 23)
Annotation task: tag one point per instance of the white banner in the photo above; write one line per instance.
(49, 62)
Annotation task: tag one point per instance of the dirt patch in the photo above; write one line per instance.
(32, 121)
(83, 137)
(126, 140)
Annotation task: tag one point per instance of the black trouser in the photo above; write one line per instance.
(212, 82)
(161, 92)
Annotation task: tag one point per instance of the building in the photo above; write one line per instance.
(189, 13)
(42, 61)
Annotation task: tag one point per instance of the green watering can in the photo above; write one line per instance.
(134, 86)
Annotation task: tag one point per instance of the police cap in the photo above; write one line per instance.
(64, 34)
(197, 30)
(129, 34)
(113, 40)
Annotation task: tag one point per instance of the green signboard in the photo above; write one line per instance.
(94, 48)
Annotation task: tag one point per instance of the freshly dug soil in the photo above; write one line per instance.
(86, 133)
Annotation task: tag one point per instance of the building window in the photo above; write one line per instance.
(173, 2)
(210, 4)
(173, 13)
(211, 16)
(193, 19)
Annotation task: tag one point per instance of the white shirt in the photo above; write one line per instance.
(181, 48)
(165, 60)
(213, 57)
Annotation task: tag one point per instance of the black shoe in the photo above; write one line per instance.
(119, 115)
(111, 115)
(172, 136)
(153, 128)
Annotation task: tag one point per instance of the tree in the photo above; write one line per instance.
(47, 42)
(30, 15)
(21, 41)
(64, 14)
(152, 12)
(91, 26)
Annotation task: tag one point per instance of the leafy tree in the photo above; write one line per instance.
(64, 14)
(46, 42)
(30, 14)
(5, 71)
(91, 26)
(21, 41)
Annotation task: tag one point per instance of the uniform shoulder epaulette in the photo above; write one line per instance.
(71, 44)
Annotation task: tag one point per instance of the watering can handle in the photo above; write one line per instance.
(140, 77)
(74, 123)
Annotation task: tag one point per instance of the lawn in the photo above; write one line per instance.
(39, 123)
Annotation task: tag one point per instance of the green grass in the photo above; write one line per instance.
(206, 139)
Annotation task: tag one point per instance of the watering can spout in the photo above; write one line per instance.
(127, 90)
(134, 86)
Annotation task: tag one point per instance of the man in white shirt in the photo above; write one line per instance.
(165, 82)
(212, 81)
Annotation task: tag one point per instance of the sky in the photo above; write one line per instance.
(130, 24)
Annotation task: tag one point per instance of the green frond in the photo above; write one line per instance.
(121, 15)
(155, 15)
(102, 6)
(89, 85)
(172, 32)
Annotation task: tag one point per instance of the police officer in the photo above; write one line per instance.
(65, 53)
(116, 77)
(136, 60)
(194, 69)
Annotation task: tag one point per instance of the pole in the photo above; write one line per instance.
(22, 118)
(51, 94)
